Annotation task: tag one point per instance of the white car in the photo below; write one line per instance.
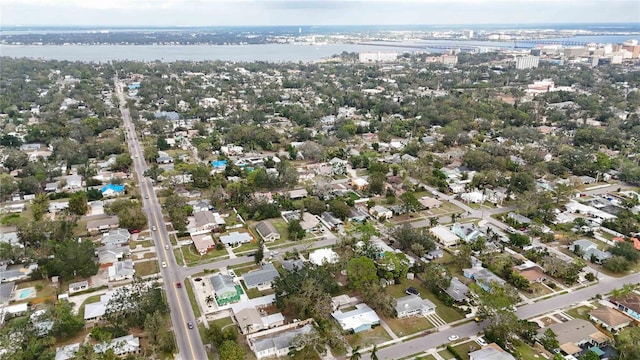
(453, 338)
(481, 342)
(164, 264)
(166, 247)
(153, 228)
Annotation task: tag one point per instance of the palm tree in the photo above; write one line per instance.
(355, 354)
(374, 352)
(209, 300)
(433, 221)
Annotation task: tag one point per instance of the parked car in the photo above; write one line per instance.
(453, 338)
(480, 341)
(412, 291)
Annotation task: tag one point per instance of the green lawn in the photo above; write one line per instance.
(143, 243)
(408, 326)
(192, 256)
(527, 353)
(255, 293)
(581, 312)
(89, 300)
(192, 298)
(253, 245)
(366, 338)
(447, 313)
(464, 349)
(222, 322)
(145, 268)
(537, 290)
(446, 355)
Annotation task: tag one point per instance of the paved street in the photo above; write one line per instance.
(190, 345)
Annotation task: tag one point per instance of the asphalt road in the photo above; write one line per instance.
(190, 346)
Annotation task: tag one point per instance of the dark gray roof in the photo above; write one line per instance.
(5, 291)
(222, 283)
(457, 290)
(281, 340)
(265, 228)
(255, 278)
(292, 265)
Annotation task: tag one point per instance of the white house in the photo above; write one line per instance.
(360, 319)
(444, 235)
(380, 212)
(276, 345)
(413, 305)
(235, 238)
(121, 270)
(323, 256)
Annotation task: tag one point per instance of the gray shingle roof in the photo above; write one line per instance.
(222, 283)
(281, 340)
(265, 275)
(266, 228)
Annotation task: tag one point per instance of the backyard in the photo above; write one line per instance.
(447, 313)
(192, 257)
(366, 338)
(408, 326)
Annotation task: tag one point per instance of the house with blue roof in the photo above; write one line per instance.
(112, 190)
(219, 165)
(134, 86)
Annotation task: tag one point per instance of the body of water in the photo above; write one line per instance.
(263, 52)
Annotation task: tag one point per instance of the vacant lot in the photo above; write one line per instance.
(368, 338)
(408, 326)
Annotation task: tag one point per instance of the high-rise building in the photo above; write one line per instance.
(527, 62)
(468, 34)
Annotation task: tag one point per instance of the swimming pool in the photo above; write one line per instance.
(25, 293)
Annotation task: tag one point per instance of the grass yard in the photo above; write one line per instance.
(143, 243)
(89, 300)
(447, 313)
(192, 256)
(253, 245)
(408, 326)
(367, 338)
(244, 268)
(145, 268)
(222, 322)
(44, 291)
(255, 293)
(537, 290)
(446, 354)
(464, 349)
(192, 298)
(525, 352)
(581, 312)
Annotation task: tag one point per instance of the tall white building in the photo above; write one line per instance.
(468, 34)
(368, 57)
(527, 62)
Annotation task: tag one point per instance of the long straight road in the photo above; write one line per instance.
(190, 346)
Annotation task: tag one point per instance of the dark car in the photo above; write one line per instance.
(412, 291)
(178, 285)
(190, 325)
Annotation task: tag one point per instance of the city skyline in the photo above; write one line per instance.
(313, 12)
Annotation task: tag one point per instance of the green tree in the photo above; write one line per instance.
(339, 208)
(153, 325)
(39, 206)
(296, 232)
(78, 203)
(162, 143)
(71, 259)
(122, 163)
(8, 186)
(436, 277)
(617, 264)
(65, 324)
(315, 205)
(361, 272)
(230, 350)
(549, 340)
(409, 201)
(628, 344)
(154, 172)
(393, 266)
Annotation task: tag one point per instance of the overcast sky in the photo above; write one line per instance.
(313, 12)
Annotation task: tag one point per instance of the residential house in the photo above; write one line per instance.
(78, 286)
(261, 279)
(491, 352)
(609, 318)
(112, 190)
(6, 293)
(444, 235)
(358, 215)
(330, 221)
(360, 319)
(298, 194)
(116, 237)
(323, 256)
(338, 166)
(457, 290)
(343, 300)
(628, 304)
(121, 346)
(534, 274)
(267, 231)
(164, 159)
(429, 202)
(235, 238)
(203, 241)
(206, 220)
(74, 182)
(67, 352)
(103, 224)
(359, 183)
(413, 305)
(51, 187)
(108, 255)
(522, 220)
(121, 270)
(575, 333)
(250, 320)
(278, 344)
(589, 251)
(93, 312)
(224, 288)
(309, 221)
(16, 273)
(292, 265)
(380, 212)
(468, 232)
(482, 276)
(11, 238)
